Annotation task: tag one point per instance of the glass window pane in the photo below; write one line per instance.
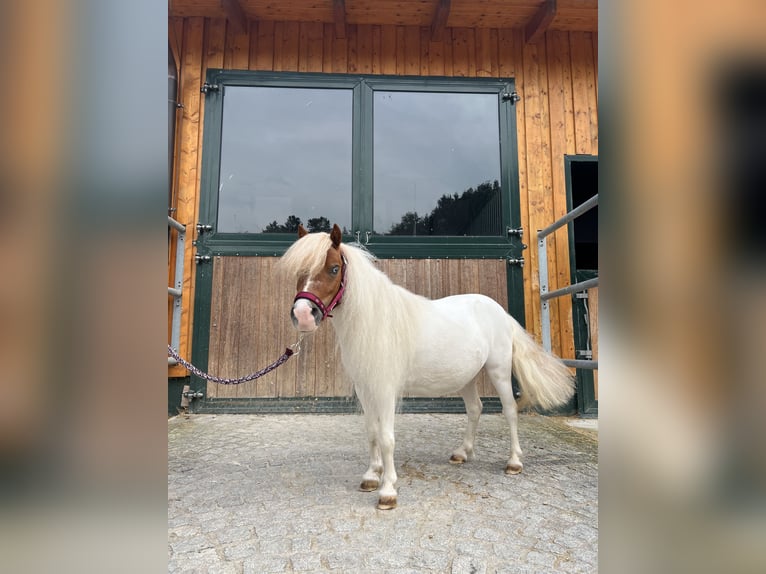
(285, 159)
(436, 164)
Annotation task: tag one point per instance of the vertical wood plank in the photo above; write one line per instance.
(364, 48)
(388, 49)
(278, 46)
(187, 169)
(460, 65)
(534, 169)
(411, 50)
(339, 54)
(425, 46)
(290, 46)
(377, 66)
(581, 54)
(250, 332)
(493, 52)
(436, 58)
(229, 326)
(303, 47)
(449, 69)
(328, 33)
(264, 59)
(214, 344)
(315, 46)
(237, 55)
(352, 37)
(560, 118)
(483, 53)
(401, 68)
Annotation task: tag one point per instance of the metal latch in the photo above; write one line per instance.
(588, 355)
(581, 295)
(209, 88)
(202, 258)
(516, 261)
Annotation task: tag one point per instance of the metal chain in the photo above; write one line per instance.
(289, 352)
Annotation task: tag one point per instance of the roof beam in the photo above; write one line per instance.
(339, 15)
(539, 23)
(439, 22)
(235, 15)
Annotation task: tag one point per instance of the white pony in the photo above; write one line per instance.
(393, 342)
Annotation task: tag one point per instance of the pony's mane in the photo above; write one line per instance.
(306, 256)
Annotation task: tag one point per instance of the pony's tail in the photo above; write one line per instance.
(546, 383)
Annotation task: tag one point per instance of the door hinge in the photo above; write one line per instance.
(513, 97)
(202, 258)
(516, 261)
(206, 87)
(202, 228)
(587, 355)
(515, 232)
(581, 295)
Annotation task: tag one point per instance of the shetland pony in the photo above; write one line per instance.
(394, 342)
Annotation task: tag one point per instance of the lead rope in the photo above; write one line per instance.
(289, 352)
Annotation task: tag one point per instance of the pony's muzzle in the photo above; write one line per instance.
(305, 315)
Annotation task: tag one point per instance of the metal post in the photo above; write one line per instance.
(574, 288)
(545, 316)
(177, 290)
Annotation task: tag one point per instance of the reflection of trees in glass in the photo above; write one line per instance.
(475, 212)
(293, 221)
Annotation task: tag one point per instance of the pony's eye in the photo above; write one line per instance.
(334, 270)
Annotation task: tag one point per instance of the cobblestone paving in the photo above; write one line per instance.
(278, 493)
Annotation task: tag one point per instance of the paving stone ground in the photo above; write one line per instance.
(278, 493)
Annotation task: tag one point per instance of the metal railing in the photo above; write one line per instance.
(545, 295)
(176, 290)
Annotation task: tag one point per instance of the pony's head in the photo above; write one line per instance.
(317, 263)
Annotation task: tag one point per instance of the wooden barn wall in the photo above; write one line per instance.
(558, 114)
(249, 323)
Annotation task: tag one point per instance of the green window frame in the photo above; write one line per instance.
(363, 89)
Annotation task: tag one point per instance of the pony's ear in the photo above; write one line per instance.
(301, 231)
(335, 236)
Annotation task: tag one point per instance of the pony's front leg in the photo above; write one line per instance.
(371, 478)
(387, 493)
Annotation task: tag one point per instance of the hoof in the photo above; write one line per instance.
(387, 502)
(457, 459)
(369, 485)
(513, 468)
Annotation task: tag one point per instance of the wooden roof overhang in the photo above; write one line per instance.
(534, 16)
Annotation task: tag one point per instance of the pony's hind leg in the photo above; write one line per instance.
(470, 394)
(500, 375)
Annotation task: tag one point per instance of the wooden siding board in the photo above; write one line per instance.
(377, 66)
(388, 49)
(278, 48)
(534, 168)
(581, 55)
(187, 193)
(412, 51)
(558, 62)
(290, 46)
(230, 326)
(425, 46)
(483, 53)
(340, 55)
(214, 343)
(264, 59)
(436, 58)
(401, 68)
(460, 64)
(353, 49)
(237, 54)
(364, 49)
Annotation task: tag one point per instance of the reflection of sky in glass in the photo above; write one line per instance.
(427, 145)
(284, 151)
